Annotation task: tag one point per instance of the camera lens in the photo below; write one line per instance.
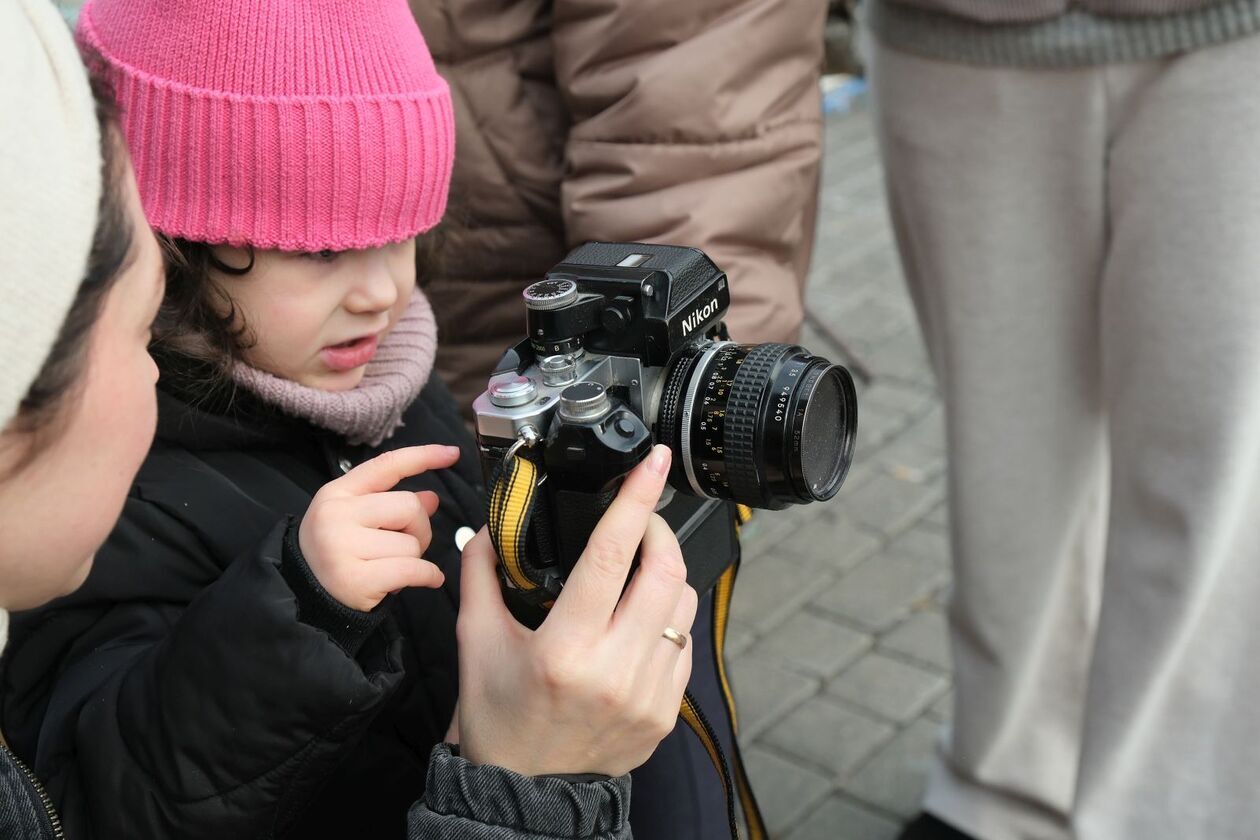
(766, 425)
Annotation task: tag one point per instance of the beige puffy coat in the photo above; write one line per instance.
(691, 122)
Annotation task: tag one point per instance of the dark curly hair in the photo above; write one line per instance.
(198, 320)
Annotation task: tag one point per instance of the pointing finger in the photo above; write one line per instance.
(383, 472)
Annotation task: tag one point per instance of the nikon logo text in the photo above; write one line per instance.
(698, 317)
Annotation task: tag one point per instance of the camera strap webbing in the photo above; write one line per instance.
(511, 513)
(510, 517)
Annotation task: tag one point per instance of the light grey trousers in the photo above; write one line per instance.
(1083, 248)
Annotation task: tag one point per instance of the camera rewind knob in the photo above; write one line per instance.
(584, 401)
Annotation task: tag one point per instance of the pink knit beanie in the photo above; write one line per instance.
(301, 125)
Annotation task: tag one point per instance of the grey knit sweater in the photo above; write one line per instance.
(1058, 33)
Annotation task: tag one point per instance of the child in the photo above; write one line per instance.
(290, 156)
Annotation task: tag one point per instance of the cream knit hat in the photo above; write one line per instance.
(50, 187)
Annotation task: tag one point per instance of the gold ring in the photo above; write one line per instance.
(675, 637)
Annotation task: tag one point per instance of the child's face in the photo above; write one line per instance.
(317, 319)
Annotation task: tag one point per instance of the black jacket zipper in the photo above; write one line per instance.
(44, 799)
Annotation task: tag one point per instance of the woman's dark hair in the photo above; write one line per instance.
(63, 370)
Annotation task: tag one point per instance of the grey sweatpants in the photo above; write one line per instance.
(1083, 248)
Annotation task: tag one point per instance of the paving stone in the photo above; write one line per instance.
(830, 265)
(895, 778)
(820, 581)
(876, 263)
(768, 529)
(924, 637)
(772, 588)
(851, 151)
(785, 791)
(910, 460)
(938, 516)
(911, 400)
(928, 431)
(814, 645)
(888, 688)
(903, 357)
(840, 819)
(860, 474)
(755, 535)
(829, 735)
(835, 282)
(871, 319)
(943, 709)
(765, 691)
(841, 543)
(862, 186)
(889, 504)
(876, 426)
(919, 541)
(881, 591)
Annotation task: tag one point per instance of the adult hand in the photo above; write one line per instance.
(363, 539)
(597, 686)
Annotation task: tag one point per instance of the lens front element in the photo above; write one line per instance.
(766, 425)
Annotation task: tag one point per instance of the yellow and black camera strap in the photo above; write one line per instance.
(511, 508)
(512, 519)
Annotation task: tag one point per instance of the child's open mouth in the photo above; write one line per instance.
(350, 354)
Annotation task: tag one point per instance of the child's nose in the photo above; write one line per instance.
(374, 291)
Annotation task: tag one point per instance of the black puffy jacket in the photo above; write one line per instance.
(176, 695)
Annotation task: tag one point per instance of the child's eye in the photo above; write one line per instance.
(322, 256)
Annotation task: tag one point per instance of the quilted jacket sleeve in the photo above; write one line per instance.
(216, 717)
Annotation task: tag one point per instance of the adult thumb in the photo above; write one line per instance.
(480, 599)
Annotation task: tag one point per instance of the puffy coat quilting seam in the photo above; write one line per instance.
(763, 134)
(298, 757)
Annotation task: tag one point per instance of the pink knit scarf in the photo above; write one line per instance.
(371, 411)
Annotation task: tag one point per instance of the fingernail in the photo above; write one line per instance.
(452, 450)
(658, 461)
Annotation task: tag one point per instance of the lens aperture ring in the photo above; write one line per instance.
(743, 410)
(693, 411)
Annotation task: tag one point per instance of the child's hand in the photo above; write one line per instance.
(597, 686)
(363, 539)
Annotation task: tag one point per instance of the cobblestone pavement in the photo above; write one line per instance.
(837, 649)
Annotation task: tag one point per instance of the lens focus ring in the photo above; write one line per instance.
(742, 413)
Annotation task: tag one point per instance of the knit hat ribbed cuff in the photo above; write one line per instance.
(297, 173)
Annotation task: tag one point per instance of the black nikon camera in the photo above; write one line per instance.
(626, 347)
